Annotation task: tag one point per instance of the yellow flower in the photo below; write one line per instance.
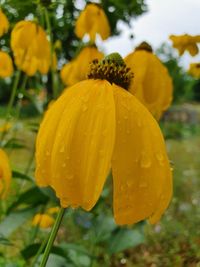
(194, 70)
(92, 21)
(186, 42)
(4, 24)
(53, 210)
(43, 220)
(5, 174)
(6, 65)
(77, 70)
(95, 126)
(152, 84)
(31, 48)
(5, 127)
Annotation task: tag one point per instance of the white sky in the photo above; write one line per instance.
(164, 17)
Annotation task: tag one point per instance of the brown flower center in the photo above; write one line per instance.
(113, 69)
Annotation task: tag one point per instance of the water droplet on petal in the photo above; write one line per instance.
(70, 177)
(129, 183)
(145, 161)
(143, 185)
(122, 188)
(47, 153)
(160, 158)
(62, 149)
(84, 108)
(139, 123)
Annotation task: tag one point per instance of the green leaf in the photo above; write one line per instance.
(124, 239)
(50, 193)
(32, 196)
(15, 143)
(30, 251)
(76, 247)
(55, 261)
(4, 241)
(77, 254)
(15, 220)
(103, 228)
(19, 175)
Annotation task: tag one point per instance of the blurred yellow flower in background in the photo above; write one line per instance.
(6, 65)
(152, 84)
(186, 42)
(194, 70)
(95, 126)
(5, 127)
(43, 220)
(92, 21)
(77, 70)
(30, 47)
(4, 24)
(5, 174)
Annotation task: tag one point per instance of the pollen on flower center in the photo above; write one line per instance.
(113, 69)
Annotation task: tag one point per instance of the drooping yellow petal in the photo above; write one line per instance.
(6, 65)
(31, 47)
(4, 24)
(92, 21)
(5, 174)
(82, 135)
(43, 220)
(141, 171)
(77, 70)
(194, 70)
(152, 84)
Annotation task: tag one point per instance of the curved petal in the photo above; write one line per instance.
(5, 174)
(46, 135)
(141, 171)
(75, 143)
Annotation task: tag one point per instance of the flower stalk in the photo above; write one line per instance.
(52, 237)
(53, 74)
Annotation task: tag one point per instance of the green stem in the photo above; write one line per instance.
(11, 101)
(53, 74)
(43, 244)
(52, 237)
(13, 93)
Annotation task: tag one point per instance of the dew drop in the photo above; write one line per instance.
(122, 188)
(62, 149)
(160, 158)
(70, 177)
(47, 153)
(84, 108)
(145, 161)
(143, 185)
(128, 183)
(64, 165)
